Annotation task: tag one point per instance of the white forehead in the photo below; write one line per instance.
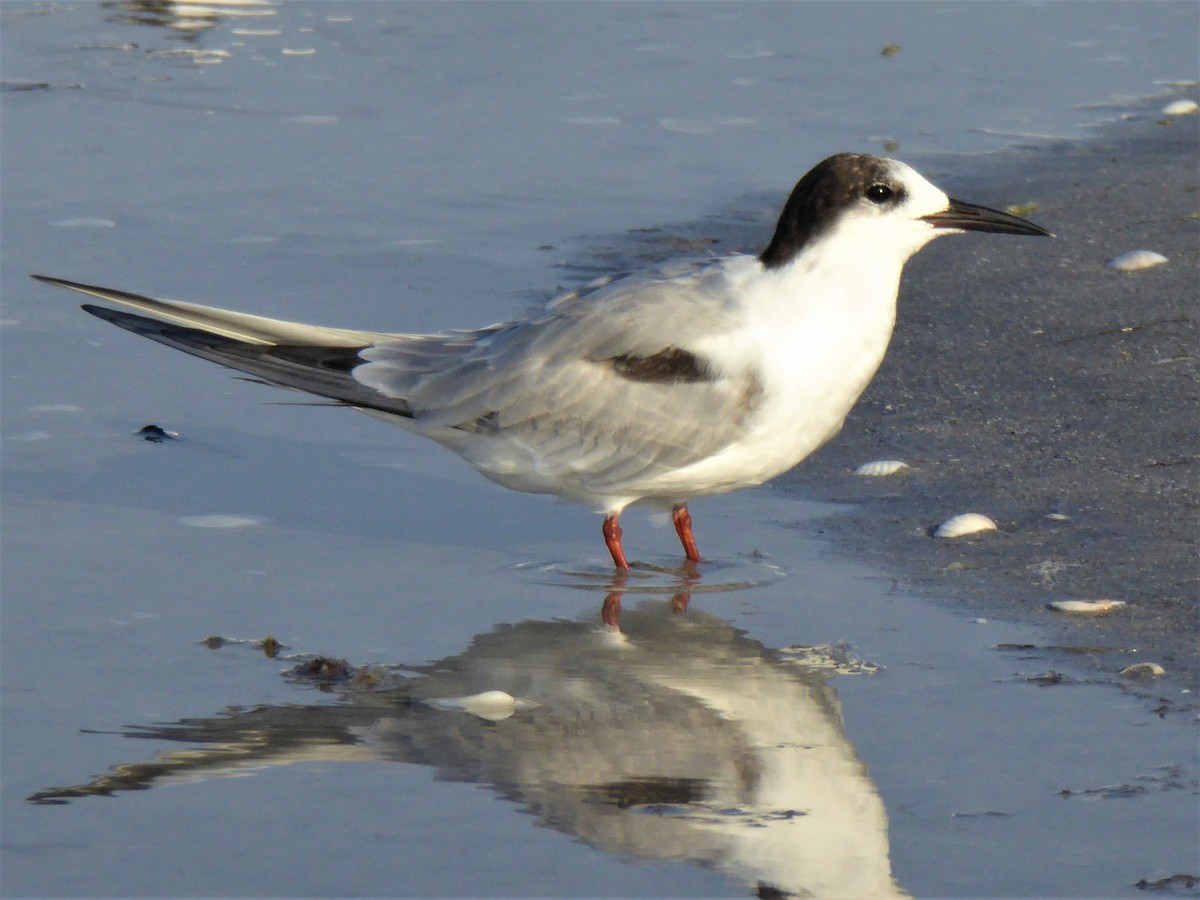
(923, 196)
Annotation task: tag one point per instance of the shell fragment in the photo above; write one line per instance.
(879, 468)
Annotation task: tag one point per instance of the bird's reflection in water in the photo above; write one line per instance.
(675, 737)
(680, 581)
(610, 610)
(185, 18)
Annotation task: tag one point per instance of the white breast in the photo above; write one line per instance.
(815, 333)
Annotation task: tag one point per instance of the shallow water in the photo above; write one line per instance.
(421, 169)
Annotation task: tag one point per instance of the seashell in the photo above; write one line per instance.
(962, 525)
(1092, 607)
(1181, 108)
(1143, 670)
(878, 468)
(494, 706)
(1136, 259)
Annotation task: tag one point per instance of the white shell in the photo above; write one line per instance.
(962, 525)
(494, 706)
(1087, 606)
(1143, 670)
(1136, 259)
(878, 468)
(1181, 108)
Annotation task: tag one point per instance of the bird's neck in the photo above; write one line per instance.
(835, 287)
(822, 324)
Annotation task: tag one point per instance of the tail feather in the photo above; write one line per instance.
(309, 358)
(238, 326)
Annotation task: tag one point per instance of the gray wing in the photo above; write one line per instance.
(609, 389)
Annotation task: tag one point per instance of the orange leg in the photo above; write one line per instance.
(683, 527)
(610, 611)
(612, 537)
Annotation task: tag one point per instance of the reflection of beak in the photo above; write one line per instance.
(962, 216)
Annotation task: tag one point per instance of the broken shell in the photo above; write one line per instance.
(1143, 670)
(1136, 259)
(880, 467)
(1092, 607)
(962, 525)
(1181, 108)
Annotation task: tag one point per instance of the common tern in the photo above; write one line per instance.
(690, 379)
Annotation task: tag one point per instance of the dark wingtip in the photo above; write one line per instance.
(101, 312)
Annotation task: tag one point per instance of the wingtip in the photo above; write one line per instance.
(100, 312)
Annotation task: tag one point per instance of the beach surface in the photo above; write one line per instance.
(1052, 394)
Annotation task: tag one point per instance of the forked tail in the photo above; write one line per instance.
(309, 358)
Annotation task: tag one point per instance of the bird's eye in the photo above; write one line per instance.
(879, 193)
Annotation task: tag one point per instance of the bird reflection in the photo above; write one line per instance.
(610, 609)
(675, 737)
(184, 17)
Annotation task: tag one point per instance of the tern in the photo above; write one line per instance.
(693, 378)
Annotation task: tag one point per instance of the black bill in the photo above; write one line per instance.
(969, 217)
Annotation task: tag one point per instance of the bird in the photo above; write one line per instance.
(690, 378)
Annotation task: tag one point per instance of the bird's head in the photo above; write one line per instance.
(875, 206)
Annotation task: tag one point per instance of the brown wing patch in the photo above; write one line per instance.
(669, 366)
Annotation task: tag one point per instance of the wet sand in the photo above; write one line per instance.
(1028, 382)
